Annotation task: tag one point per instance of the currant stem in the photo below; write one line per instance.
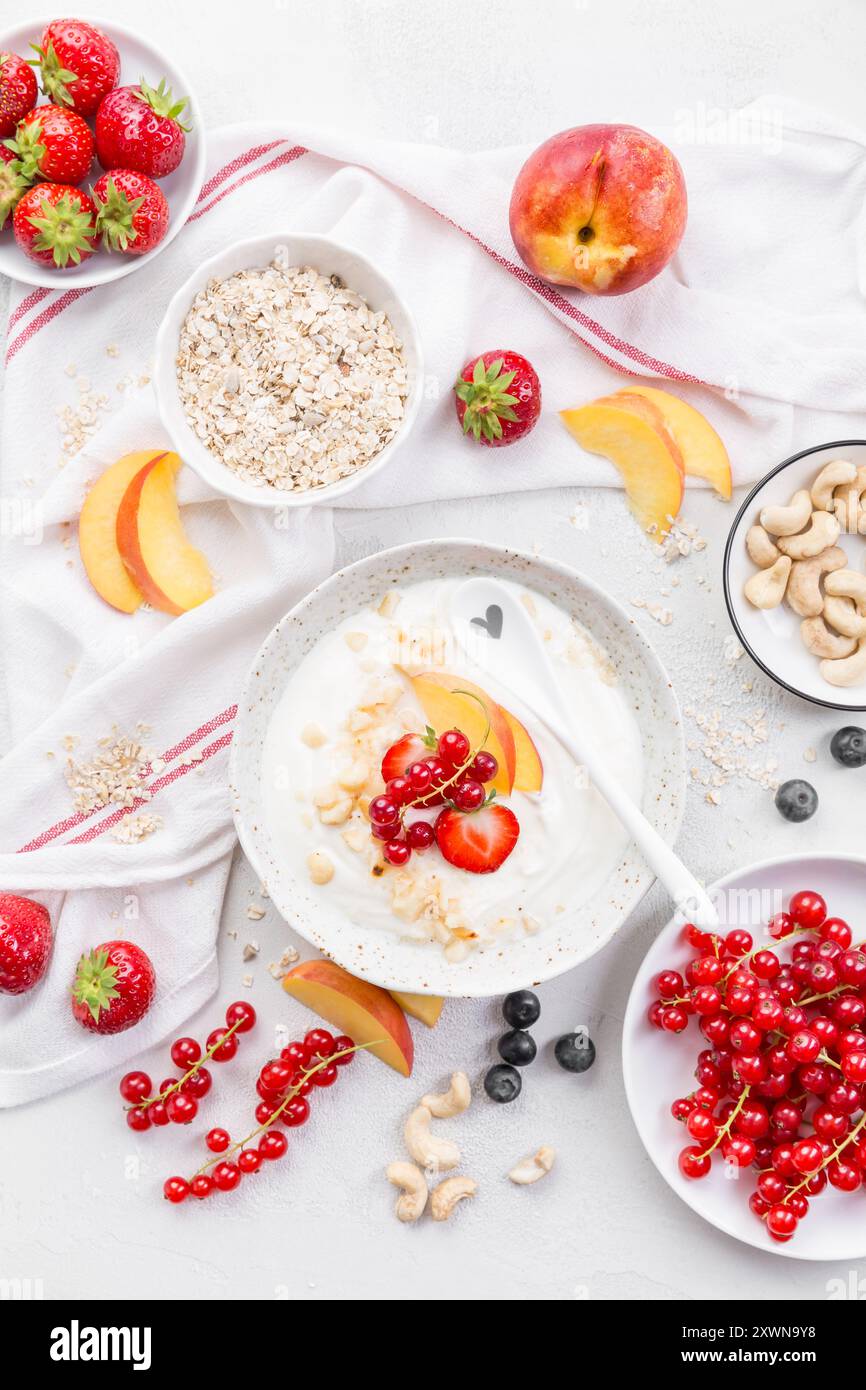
(196, 1066)
(835, 1154)
(726, 1128)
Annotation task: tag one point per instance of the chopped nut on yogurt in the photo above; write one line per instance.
(314, 736)
(320, 867)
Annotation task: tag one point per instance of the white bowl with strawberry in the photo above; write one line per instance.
(101, 152)
(406, 821)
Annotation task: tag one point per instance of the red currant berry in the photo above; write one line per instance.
(693, 1162)
(341, 1044)
(780, 926)
(781, 1222)
(384, 811)
(807, 1156)
(767, 1014)
(799, 1204)
(273, 1144)
(854, 1067)
(176, 1189)
(158, 1114)
(420, 778)
(135, 1086)
(739, 1150)
(439, 772)
(845, 1177)
(804, 1046)
(320, 1043)
(670, 984)
(226, 1176)
(396, 852)
(848, 1040)
(783, 1159)
(295, 1112)
(326, 1076)
(201, 1186)
(468, 795)
(814, 1078)
(808, 909)
(453, 747)
(249, 1160)
(265, 1111)
(849, 1010)
(828, 1124)
(740, 1000)
(744, 1036)
(716, 1029)
(706, 970)
(852, 968)
(674, 1019)
(655, 1013)
(843, 1098)
(298, 1054)
(706, 1000)
(753, 1120)
(185, 1052)
(793, 1019)
(834, 929)
(242, 1014)
(420, 836)
(828, 1032)
(225, 1045)
(168, 1085)
(181, 1109)
(399, 789)
(139, 1120)
(483, 767)
(217, 1140)
(751, 1068)
(277, 1076)
(198, 1084)
(823, 976)
(738, 943)
(784, 1120)
(765, 964)
(758, 1205)
(701, 1126)
(772, 1186)
(682, 1108)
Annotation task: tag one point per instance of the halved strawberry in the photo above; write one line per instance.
(411, 748)
(479, 842)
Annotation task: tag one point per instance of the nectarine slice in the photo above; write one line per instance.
(366, 1013)
(528, 769)
(638, 444)
(97, 530)
(703, 453)
(452, 702)
(425, 1007)
(171, 574)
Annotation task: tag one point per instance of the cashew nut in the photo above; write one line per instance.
(848, 584)
(804, 586)
(850, 670)
(844, 615)
(832, 475)
(820, 641)
(823, 531)
(428, 1151)
(445, 1197)
(847, 503)
(534, 1166)
(454, 1101)
(761, 549)
(414, 1195)
(766, 589)
(320, 867)
(787, 521)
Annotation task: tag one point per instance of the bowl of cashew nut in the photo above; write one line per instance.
(795, 574)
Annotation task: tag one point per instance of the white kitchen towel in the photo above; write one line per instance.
(759, 321)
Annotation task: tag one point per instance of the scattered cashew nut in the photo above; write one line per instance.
(787, 521)
(850, 670)
(832, 475)
(413, 1199)
(428, 1151)
(804, 586)
(766, 589)
(820, 641)
(444, 1198)
(844, 615)
(454, 1101)
(822, 532)
(848, 584)
(847, 503)
(534, 1166)
(761, 549)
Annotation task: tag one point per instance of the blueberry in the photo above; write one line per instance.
(848, 746)
(502, 1083)
(517, 1047)
(575, 1051)
(796, 800)
(521, 1009)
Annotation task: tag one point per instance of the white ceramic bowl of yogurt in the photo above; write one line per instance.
(329, 258)
(573, 876)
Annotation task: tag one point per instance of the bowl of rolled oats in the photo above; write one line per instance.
(288, 370)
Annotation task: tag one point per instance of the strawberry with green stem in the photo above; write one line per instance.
(78, 64)
(13, 184)
(55, 225)
(131, 211)
(140, 128)
(53, 144)
(498, 398)
(113, 987)
(18, 92)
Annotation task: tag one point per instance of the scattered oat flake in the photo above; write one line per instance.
(132, 829)
(251, 950)
(114, 775)
(281, 967)
(254, 912)
(810, 755)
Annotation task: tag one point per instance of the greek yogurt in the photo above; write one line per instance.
(351, 697)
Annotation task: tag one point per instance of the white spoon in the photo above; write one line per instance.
(495, 630)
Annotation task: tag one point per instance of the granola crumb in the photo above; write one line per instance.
(114, 775)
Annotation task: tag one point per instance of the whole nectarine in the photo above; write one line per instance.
(599, 207)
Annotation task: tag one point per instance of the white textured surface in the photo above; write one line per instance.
(80, 1196)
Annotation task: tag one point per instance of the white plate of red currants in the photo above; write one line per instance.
(101, 152)
(744, 1056)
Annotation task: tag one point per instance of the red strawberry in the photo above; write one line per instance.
(138, 128)
(113, 987)
(53, 144)
(498, 398)
(479, 842)
(78, 64)
(55, 224)
(12, 183)
(17, 91)
(131, 211)
(411, 748)
(25, 943)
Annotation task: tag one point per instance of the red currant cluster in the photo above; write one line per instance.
(283, 1085)
(176, 1100)
(782, 1086)
(452, 775)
